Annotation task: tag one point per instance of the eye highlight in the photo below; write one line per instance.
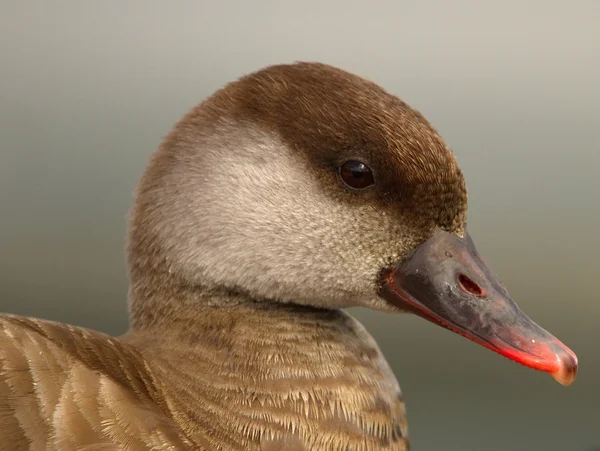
(356, 175)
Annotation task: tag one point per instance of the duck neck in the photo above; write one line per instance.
(252, 366)
(167, 305)
(200, 324)
(167, 302)
(159, 300)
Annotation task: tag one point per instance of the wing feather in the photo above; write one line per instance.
(68, 388)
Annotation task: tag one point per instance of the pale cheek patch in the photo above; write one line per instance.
(256, 219)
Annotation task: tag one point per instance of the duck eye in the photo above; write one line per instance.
(356, 174)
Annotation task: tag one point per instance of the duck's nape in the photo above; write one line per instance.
(288, 230)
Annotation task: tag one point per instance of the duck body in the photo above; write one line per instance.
(290, 194)
(245, 378)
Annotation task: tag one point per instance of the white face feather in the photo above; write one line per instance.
(240, 209)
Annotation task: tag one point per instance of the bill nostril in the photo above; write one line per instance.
(470, 286)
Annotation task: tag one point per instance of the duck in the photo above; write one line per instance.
(287, 196)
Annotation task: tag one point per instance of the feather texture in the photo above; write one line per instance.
(66, 388)
(261, 386)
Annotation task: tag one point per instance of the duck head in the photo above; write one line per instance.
(306, 184)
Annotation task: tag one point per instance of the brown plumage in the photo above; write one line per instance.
(243, 246)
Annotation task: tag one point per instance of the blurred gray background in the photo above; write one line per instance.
(87, 90)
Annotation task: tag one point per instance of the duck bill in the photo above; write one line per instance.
(446, 282)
